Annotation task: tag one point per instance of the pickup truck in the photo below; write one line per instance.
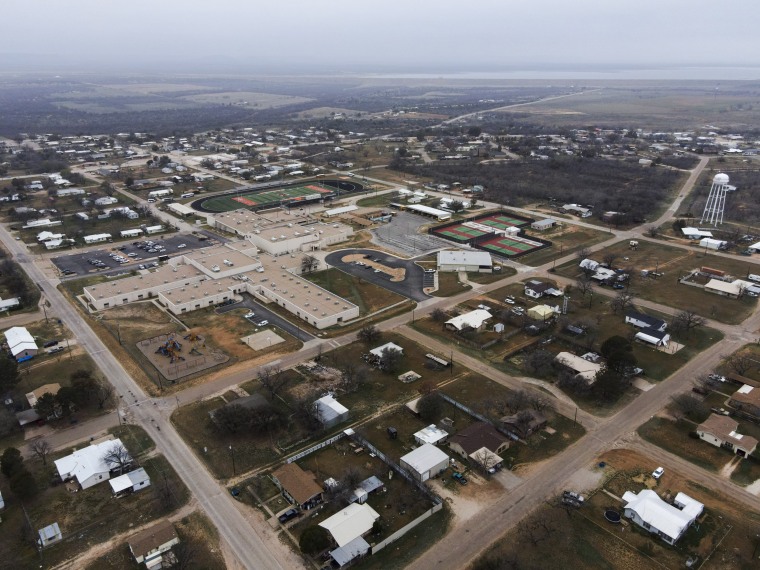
(459, 478)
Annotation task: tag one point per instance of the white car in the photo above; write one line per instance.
(262, 323)
(657, 473)
(249, 315)
(181, 246)
(510, 300)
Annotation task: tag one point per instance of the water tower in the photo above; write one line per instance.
(716, 201)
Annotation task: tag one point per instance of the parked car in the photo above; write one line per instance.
(249, 315)
(50, 343)
(699, 390)
(618, 286)
(262, 323)
(573, 496)
(720, 411)
(459, 478)
(657, 473)
(181, 246)
(717, 377)
(510, 300)
(288, 515)
(55, 349)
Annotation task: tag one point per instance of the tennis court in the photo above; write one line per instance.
(510, 246)
(460, 233)
(502, 221)
(286, 195)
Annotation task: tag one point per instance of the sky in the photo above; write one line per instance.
(379, 36)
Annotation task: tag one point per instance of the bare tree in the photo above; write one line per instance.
(583, 253)
(585, 285)
(687, 320)
(740, 363)
(103, 393)
(516, 401)
(485, 458)
(539, 362)
(621, 302)
(610, 258)
(439, 315)
(368, 334)
(41, 448)
(273, 379)
(539, 402)
(689, 406)
(523, 420)
(309, 263)
(118, 458)
(352, 375)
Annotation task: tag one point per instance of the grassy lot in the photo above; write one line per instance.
(751, 351)
(674, 437)
(367, 296)
(747, 472)
(565, 238)
(449, 285)
(485, 278)
(542, 445)
(134, 438)
(199, 541)
(88, 517)
(380, 201)
(675, 263)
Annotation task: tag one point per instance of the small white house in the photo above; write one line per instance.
(96, 238)
(667, 521)
(329, 411)
(642, 321)
(474, 319)
(537, 289)
(431, 434)
(20, 343)
(710, 243)
(425, 462)
(154, 229)
(49, 535)
(88, 465)
(589, 264)
(136, 232)
(653, 337)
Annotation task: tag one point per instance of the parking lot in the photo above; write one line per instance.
(133, 254)
(400, 234)
(410, 287)
(261, 313)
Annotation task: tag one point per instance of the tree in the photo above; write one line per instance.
(8, 422)
(523, 421)
(23, 484)
(429, 407)
(314, 540)
(352, 375)
(609, 384)
(615, 343)
(118, 457)
(9, 375)
(456, 206)
(41, 448)
(621, 302)
(232, 418)
(610, 258)
(473, 200)
(129, 181)
(687, 320)
(368, 334)
(439, 315)
(390, 359)
(485, 458)
(516, 401)
(11, 461)
(539, 362)
(474, 131)
(103, 393)
(309, 263)
(622, 362)
(689, 406)
(585, 284)
(46, 406)
(741, 363)
(583, 253)
(273, 379)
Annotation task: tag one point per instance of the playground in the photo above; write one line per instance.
(177, 355)
(286, 195)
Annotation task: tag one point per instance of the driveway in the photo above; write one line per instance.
(264, 314)
(410, 287)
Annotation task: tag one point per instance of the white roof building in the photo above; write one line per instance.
(135, 480)
(379, 350)
(474, 319)
(87, 465)
(460, 260)
(350, 523)
(582, 367)
(668, 521)
(431, 434)
(342, 210)
(695, 233)
(95, 238)
(425, 462)
(20, 342)
(723, 288)
(330, 411)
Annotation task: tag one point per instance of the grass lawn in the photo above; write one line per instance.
(565, 238)
(449, 285)
(542, 445)
(367, 296)
(485, 278)
(675, 263)
(751, 351)
(134, 438)
(380, 201)
(747, 472)
(199, 541)
(674, 437)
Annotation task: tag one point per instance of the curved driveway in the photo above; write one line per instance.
(410, 287)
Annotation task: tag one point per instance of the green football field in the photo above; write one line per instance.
(266, 198)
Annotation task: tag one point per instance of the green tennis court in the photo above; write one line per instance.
(501, 221)
(510, 246)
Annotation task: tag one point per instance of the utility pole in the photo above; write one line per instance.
(232, 454)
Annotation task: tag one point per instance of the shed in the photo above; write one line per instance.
(431, 434)
(49, 535)
(425, 462)
(378, 352)
(130, 482)
(329, 411)
(365, 489)
(710, 243)
(541, 312)
(354, 549)
(542, 225)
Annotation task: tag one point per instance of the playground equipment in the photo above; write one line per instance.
(171, 348)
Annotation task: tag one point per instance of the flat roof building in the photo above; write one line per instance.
(460, 260)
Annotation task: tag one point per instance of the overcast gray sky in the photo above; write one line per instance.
(380, 35)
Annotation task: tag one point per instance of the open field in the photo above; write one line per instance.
(248, 99)
(565, 238)
(675, 263)
(450, 285)
(365, 295)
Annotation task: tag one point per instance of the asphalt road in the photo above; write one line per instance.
(262, 313)
(410, 287)
(244, 540)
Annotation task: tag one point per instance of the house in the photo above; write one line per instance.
(653, 337)
(154, 229)
(378, 352)
(754, 248)
(473, 320)
(365, 489)
(537, 289)
(130, 482)
(588, 264)
(723, 288)
(96, 238)
(709, 243)
(425, 462)
(329, 411)
(481, 443)
(667, 521)
(47, 236)
(298, 486)
(580, 366)
(88, 465)
(642, 321)
(523, 424)
(150, 545)
(35, 395)
(347, 529)
(351, 523)
(459, 260)
(542, 225)
(431, 434)
(576, 209)
(49, 535)
(7, 304)
(541, 313)
(696, 233)
(720, 431)
(21, 343)
(747, 400)
(105, 201)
